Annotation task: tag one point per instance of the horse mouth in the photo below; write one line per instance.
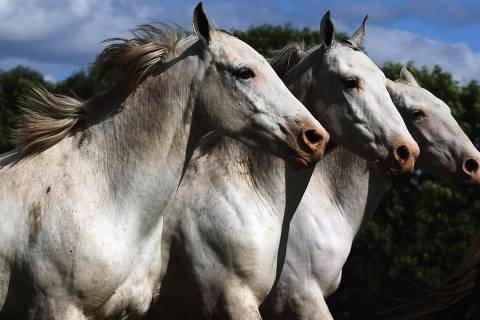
(301, 159)
(378, 166)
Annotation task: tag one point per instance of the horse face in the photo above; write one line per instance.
(446, 150)
(246, 100)
(351, 97)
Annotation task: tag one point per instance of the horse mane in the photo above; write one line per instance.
(152, 45)
(48, 118)
(290, 55)
(458, 295)
(287, 57)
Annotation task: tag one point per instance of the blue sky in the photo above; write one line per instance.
(58, 37)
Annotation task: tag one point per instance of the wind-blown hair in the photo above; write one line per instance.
(290, 55)
(287, 57)
(48, 118)
(151, 45)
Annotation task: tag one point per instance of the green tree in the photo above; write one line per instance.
(83, 84)
(470, 99)
(80, 85)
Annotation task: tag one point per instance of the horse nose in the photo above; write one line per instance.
(312, 136)
(404, 156)
(402, 153)
(471, 169)
(314, 140)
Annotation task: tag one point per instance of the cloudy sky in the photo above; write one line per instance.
(58, 37)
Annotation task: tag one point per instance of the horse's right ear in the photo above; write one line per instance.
(202, 26)
(357, 37)
(406, 76)
(327, 31)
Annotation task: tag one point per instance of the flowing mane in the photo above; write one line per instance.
(290, 55)
(48, 118)
(287, 57)
(152, 45)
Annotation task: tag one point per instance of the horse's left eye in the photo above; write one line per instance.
(244, 73)
(351, 83)
(418, 114)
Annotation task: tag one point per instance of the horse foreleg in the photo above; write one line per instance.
(309, 304)
(238, 303)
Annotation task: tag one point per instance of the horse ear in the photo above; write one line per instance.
(202, 26)
(406, 76)
(357, 37)
(327, 31)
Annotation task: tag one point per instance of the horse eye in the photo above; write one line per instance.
(244, 73)
(351, 83)
(418, 114)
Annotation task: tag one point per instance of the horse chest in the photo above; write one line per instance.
(323, 240)
(234, 236)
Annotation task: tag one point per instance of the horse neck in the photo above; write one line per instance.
(342, 179)
(354, 191)
(144, 147)
(277, 182)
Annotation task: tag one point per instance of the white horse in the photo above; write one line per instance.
(342, 194)
(81, 197)
(226, 228)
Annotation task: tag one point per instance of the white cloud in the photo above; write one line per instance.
(51, 35)
(393, 45)
(49, 78)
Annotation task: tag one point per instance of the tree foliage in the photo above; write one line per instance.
(420, 230)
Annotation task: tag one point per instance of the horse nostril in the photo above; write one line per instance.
(471, 166)
(313, 136)
(403, 153)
